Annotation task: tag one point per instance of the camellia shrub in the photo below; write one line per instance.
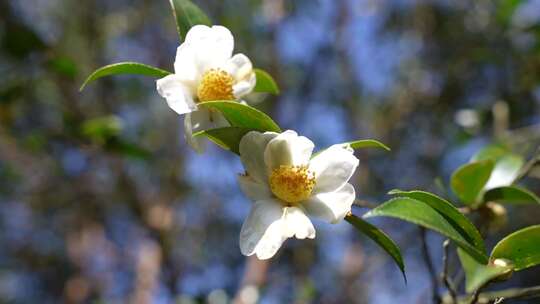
(290, 181)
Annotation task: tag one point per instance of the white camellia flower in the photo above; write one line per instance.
(206, 70)
(286, 185)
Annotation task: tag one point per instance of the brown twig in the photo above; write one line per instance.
(253, 278)
(445, 276)
(476, 294)
(364, 204)
(507, 294)
(430, 267)
(526, 169)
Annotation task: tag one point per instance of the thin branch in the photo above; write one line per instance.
(498, 300)
(507, 294)
(526, 169)
(459, 278)
(476, 294)
(254, 277)
(364, 204)
(430, 267)
(445, 276)
(521, 135)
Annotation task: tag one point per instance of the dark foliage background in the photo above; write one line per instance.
(102, 201)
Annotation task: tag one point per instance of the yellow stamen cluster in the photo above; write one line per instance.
(215, 84)
(292, 184)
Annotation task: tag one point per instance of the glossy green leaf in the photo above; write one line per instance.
(507, 165)
(492, 152)
(458, 221)
(476, 274)
(133, 68)
(227, 138)
(187, 14)
(244, 116)
(379, 237)
(265, 83)
(468, 181)
(359, 144)
(420, 213)
(511, 195)
(505, 172)
(367, 143)
(521, 247)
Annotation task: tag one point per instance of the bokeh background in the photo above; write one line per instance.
(102, 201)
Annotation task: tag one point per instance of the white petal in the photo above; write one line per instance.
(297, 224)
(252, 147)
(262, 232)
(244, 87)
(204, 119)
(178, 96)
(185, 66)
(240, 67)
(223, 38)
(254, 190)
(288, 149)
(196, 33)
(218, 120)
(199, 120)
(197, 143)
(201, 34)
(333, 168)
(331, 206)
(213, 46)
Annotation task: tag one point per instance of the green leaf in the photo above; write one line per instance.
(380, 238)
(102, 128)
(367, 143)
(227, 138)
(506, 9)
(476, 274)
(117, 145)
(468, 181)
(492, 152)
(241, 115)
(511, 195)
(64, 66)
(521, 247)
(125, 68)
(187, 14)
(18, 39)
(507, 165)
(265, 83)
(358, 144)
(458, 221)
(505, 172)
(420, 213)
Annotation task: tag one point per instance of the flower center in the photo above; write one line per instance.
(215, 84)
(292, 184)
